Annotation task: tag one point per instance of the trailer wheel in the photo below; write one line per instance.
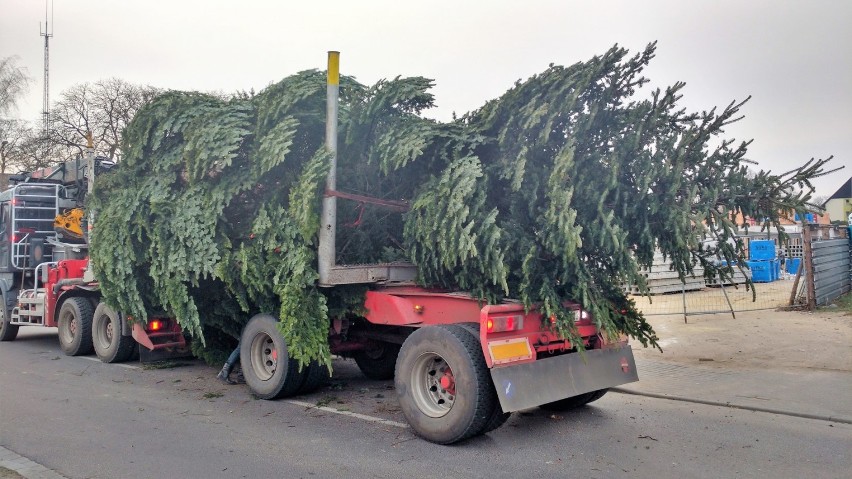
(75, 326)
(379, 361)
(497, 417)
(268, 370)
(8, 332)
(110, 346)
(443, 384)
(574, 402)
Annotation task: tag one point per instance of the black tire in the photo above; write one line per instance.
(497, 417)
(269, 371)
(378, 361)
(110, 346)
(597, 395)
(315, 376)
(8, 332)
(575, 402)
(75, 326)
(443, 384)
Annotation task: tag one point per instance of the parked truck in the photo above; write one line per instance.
(45, 276)
(459, 368)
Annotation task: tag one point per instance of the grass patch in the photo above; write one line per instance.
(9, 474)
(326, 400)
(163, 365)
(212, 395)
(845, 303)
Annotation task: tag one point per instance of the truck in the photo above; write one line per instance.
(45, 276)
(460, 367)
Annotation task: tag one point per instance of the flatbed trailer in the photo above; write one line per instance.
(459, 367)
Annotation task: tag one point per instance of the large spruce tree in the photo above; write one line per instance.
(559, 190)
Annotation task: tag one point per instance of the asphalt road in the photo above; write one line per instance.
(84, 419)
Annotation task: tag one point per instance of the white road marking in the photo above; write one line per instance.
(363, 417)
(128, 366)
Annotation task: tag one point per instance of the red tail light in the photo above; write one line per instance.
(499, 324)
(155, 325)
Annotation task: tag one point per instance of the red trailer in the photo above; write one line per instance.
(459, 368)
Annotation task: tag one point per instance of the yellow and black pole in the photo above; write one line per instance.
(326, 251)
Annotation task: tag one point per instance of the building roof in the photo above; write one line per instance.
(844, 191)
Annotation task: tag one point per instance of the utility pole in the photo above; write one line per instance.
(45, 109)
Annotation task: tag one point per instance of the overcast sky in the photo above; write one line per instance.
(793, 57)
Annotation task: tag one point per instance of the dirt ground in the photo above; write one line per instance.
(756, 339)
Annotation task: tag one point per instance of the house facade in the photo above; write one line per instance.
(839, 205)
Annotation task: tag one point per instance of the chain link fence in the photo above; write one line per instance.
(774, 285)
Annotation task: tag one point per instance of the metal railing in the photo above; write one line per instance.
(34, 207)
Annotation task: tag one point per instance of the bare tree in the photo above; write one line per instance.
(13, 134)
(103, 108)
(14, 82)
(29, 151)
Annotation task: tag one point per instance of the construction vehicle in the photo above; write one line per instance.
(459, 368)
(45, 275)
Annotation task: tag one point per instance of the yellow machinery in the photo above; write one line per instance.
(70, 225)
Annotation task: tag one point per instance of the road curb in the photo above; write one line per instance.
(819, 417)
(26, 467)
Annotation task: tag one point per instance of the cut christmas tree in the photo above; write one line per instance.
(558, 191)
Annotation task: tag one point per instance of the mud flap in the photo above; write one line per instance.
(528, 385)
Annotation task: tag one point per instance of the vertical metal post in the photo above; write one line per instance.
(89, 273)
(328, 227)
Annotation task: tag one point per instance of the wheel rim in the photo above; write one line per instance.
(264, 356)
(67, 327)
(375, 353)
(104, 332)
(433, 385)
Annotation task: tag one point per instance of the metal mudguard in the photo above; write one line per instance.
(528, 385)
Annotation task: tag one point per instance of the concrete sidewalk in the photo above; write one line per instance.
(818, 394)
(25, 467)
